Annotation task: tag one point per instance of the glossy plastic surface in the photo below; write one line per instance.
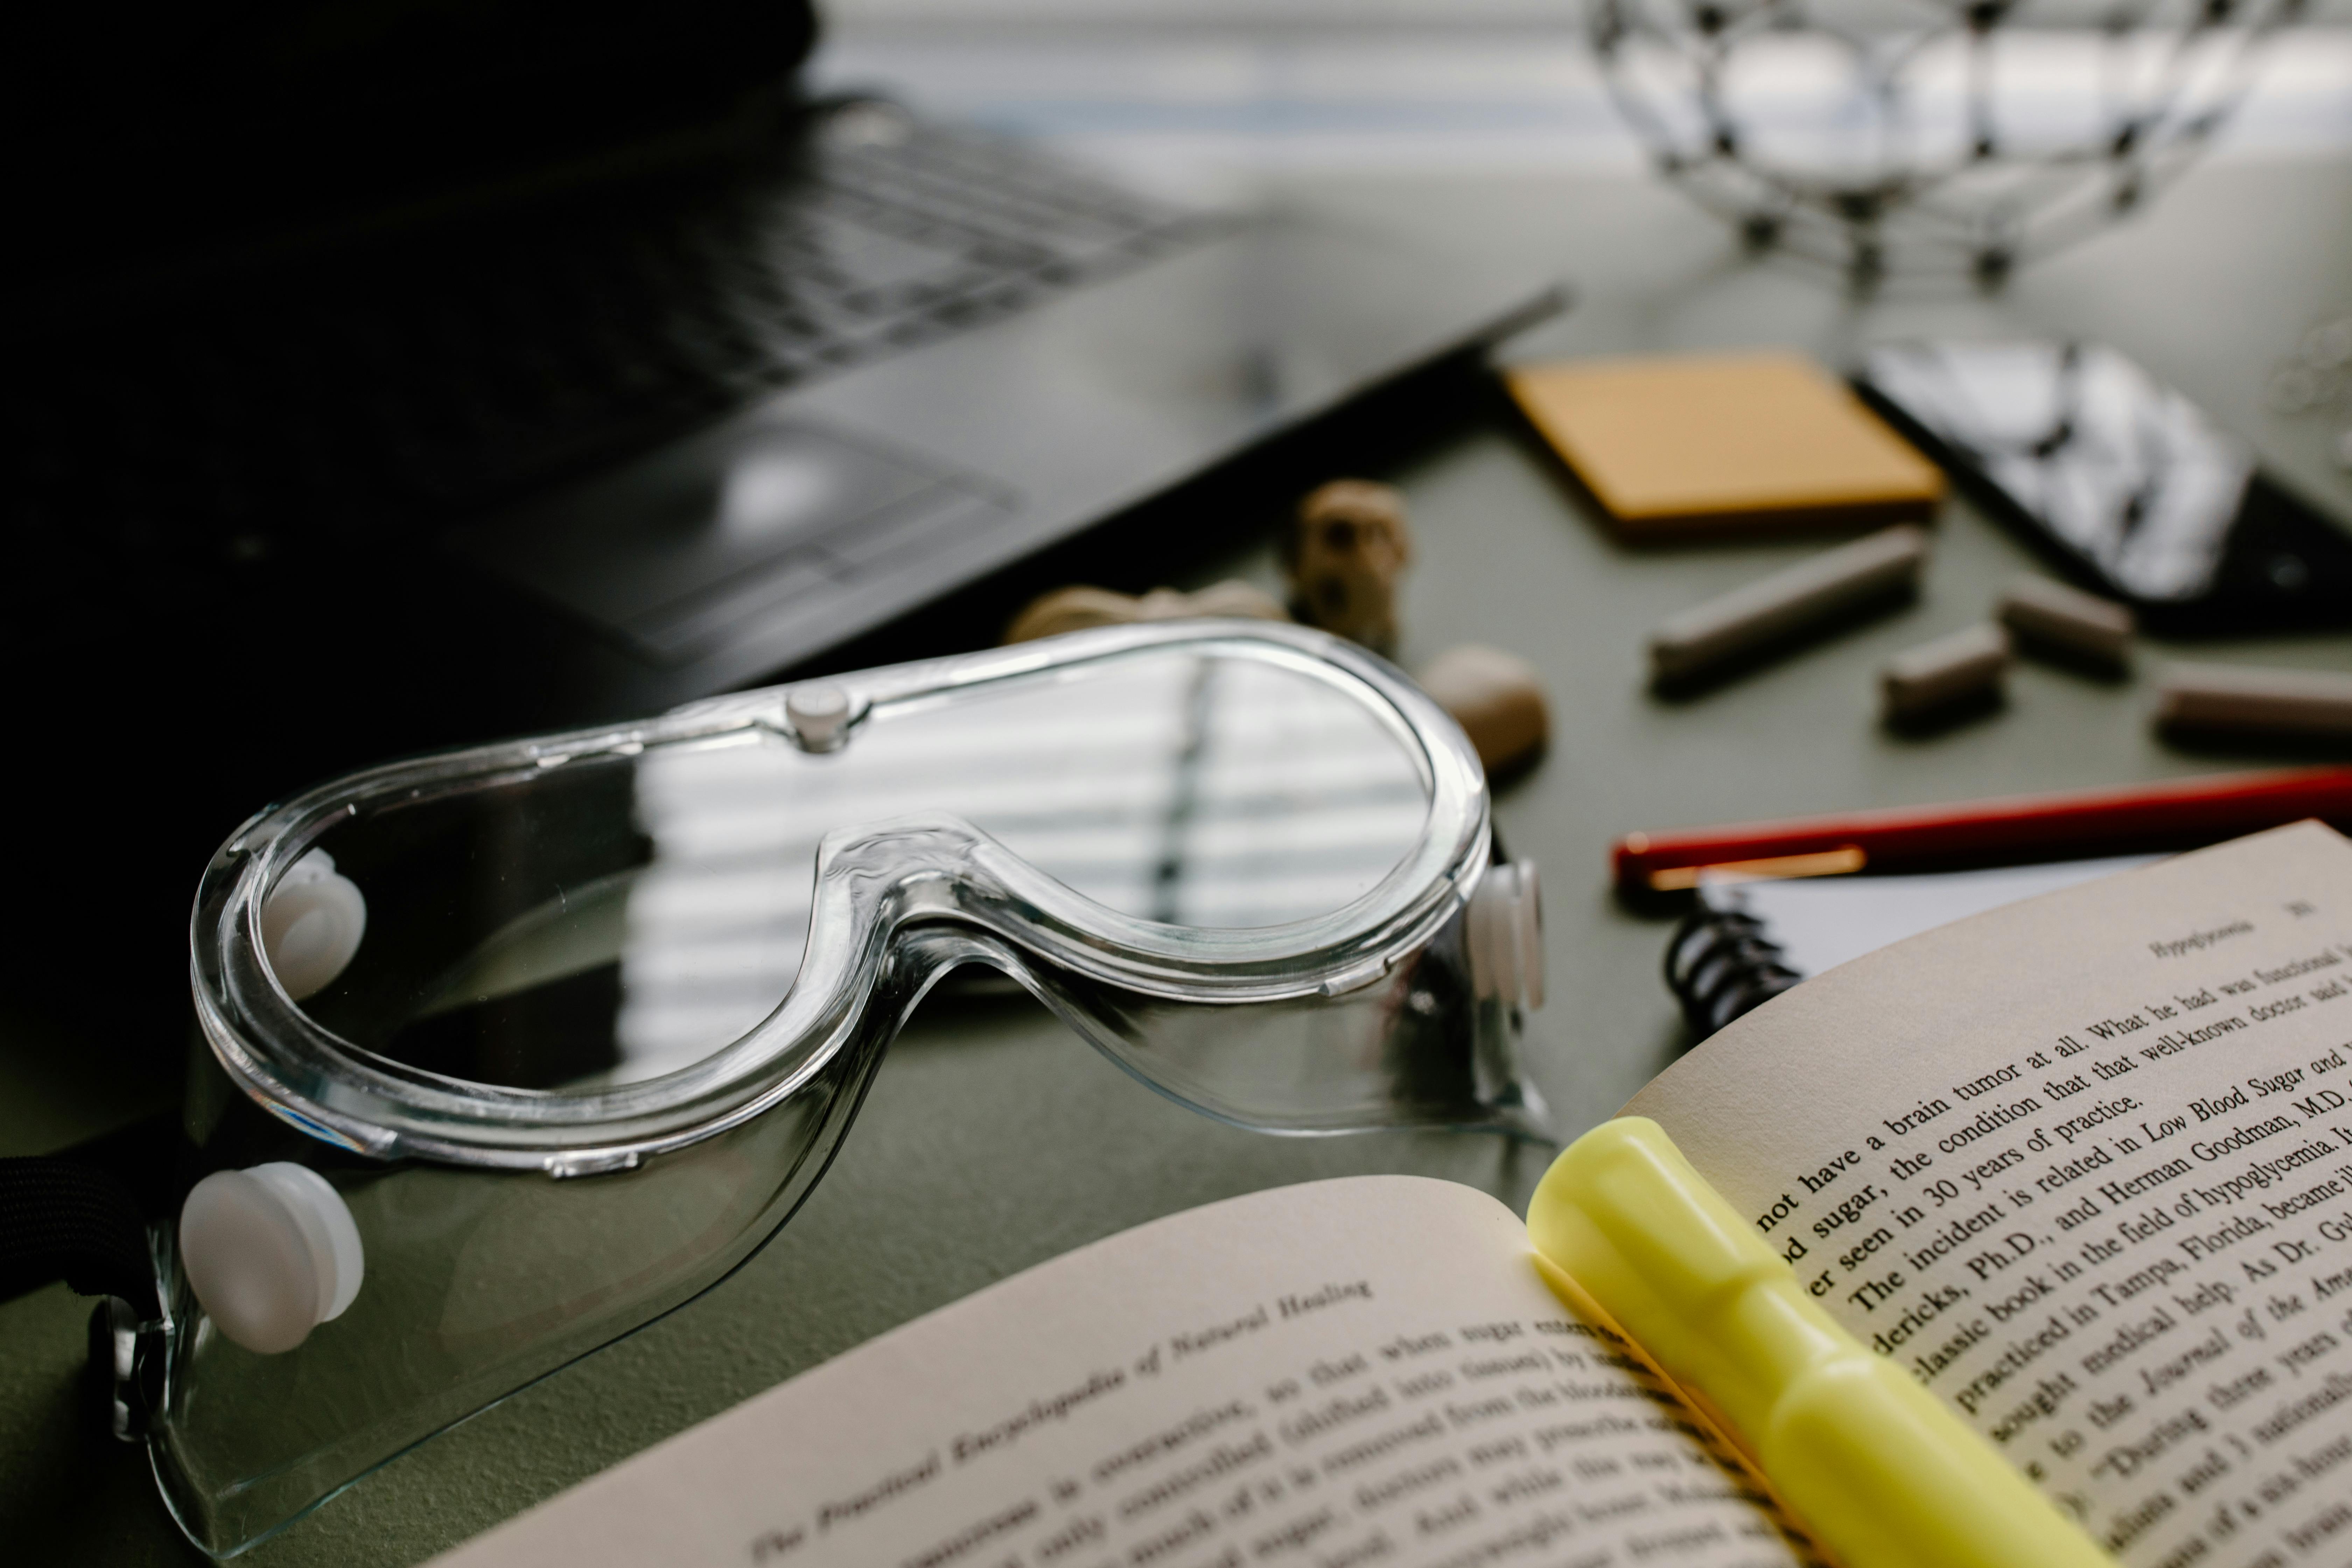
(620, 992)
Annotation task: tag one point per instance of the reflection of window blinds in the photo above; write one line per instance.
(1299, 804)
(1226, 795)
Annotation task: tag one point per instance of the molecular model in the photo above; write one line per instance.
(1911, 139)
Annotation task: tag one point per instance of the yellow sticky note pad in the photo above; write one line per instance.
(1701, 442)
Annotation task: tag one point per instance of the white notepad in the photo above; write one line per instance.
(1749, 941)
(1820, 922)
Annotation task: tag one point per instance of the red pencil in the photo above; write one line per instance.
(2179, 814)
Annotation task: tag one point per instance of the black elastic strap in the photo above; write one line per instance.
(60, 1219)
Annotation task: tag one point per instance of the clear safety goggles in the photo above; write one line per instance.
(515, 1048)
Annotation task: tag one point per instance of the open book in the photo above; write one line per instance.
(2083, 1166)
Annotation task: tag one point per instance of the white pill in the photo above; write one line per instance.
(2238, 697)
(2057, 617)
(1787, 602)
(1965, 664)
(271, 1252)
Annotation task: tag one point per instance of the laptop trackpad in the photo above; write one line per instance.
(701, 542)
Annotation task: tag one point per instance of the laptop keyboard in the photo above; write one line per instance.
(444, 374)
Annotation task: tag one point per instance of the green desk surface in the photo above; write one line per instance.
(993, 1140)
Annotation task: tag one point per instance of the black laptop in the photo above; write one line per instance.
(389, 375)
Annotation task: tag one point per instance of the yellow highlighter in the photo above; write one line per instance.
(1881, 1474)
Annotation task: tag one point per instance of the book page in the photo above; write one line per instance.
(2084, 1165)
(1355, 1371)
